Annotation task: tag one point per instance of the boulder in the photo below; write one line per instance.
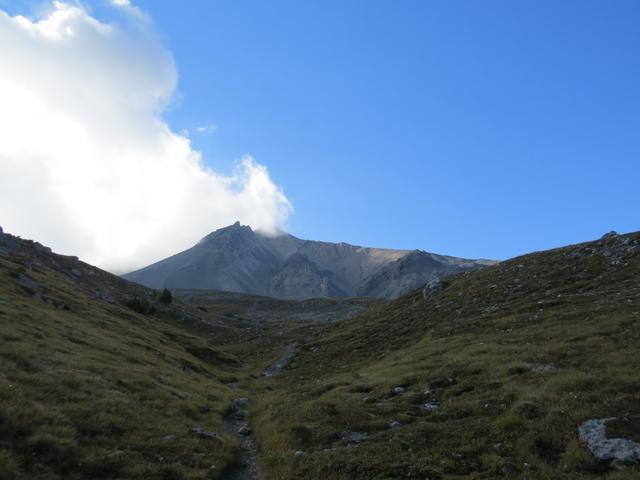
(594, 434)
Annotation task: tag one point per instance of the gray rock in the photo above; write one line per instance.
(432, 287)
(610, 235)
(169, 438)
(354, 437)
(244, 430)
(394, 424)
(299, 453)
(430, 406)
(241, 402)
(594, 434)
(398, 390)
(205, 434)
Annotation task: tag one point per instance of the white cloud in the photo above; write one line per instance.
(88, 166)
(206, 129)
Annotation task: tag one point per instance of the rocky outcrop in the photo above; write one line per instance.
(433, 286)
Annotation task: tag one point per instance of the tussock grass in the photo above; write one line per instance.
(94, 389)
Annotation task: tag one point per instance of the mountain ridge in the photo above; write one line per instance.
(238, 259)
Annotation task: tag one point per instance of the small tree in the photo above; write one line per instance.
(165, 297)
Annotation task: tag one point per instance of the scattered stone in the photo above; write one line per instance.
(169, 438)
(430, 406)
(354, 437)
(394, 424)
(205, 434)
(241, 402)
(299, 453)
(432, 287)
(244, 430)
(398, 390)
(594, 434)
(239, 415)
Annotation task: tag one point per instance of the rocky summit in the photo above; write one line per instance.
(238, 259)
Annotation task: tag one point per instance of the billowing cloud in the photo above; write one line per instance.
(87, 164)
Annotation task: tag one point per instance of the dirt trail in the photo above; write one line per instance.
(275, 368)
(246, 466)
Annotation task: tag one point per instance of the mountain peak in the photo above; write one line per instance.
(237, 226)
(235, 258)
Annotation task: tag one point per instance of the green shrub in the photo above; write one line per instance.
(165, 297)
(140, 305)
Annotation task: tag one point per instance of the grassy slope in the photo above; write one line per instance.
(518, 355)
(90, 388)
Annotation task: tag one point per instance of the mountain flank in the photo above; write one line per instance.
(527, 370)
(237, 259)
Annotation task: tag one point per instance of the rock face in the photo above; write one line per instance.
(237, 259)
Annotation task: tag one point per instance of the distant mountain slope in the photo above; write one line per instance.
(237, 259)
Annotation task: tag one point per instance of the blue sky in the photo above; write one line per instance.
(472, 128)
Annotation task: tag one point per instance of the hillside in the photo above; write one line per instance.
(237, 259)
(489, 378)
(98, 379)
(491, 375)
